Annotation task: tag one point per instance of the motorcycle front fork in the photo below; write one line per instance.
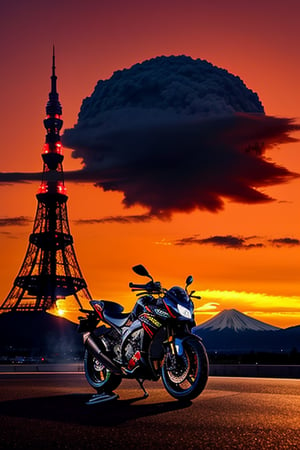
(170, 353)
(170, 350)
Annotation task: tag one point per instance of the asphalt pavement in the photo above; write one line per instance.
(49, 411)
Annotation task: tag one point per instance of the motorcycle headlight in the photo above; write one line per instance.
(185, 312)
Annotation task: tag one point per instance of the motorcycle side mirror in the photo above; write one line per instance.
(141, 270)
(188, 281)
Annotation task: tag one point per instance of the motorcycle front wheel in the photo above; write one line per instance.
(98, 376)
(185, 376)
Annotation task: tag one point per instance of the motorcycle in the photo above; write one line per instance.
(153, 341)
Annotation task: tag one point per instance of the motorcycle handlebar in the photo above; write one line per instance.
(138, 286)
(149, 287)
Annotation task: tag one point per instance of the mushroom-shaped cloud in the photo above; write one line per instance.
(178, 134)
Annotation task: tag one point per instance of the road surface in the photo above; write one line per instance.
(48, 411)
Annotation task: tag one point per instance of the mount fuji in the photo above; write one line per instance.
(232, 331)
(235, 320)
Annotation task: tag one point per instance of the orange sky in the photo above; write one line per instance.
(257, 42)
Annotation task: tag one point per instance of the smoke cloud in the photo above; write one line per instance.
(177, 134)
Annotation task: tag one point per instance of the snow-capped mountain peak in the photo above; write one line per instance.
(235, 320)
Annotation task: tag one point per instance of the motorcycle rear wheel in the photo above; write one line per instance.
(186, 378)
(98, 376)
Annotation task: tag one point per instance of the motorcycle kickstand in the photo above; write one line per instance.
(141, 383)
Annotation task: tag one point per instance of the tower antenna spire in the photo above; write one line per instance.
(53, 107)
(53, 61)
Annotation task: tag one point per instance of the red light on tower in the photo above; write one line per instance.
(58, 148)
(53, 148)
(61, 189)
(46, 149)
(56, 116)
(52, 187)
(43, 189)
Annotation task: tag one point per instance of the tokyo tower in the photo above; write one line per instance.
(50, 271)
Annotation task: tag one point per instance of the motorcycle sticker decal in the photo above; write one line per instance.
(147, 329)
(99, 308)
(161, 313)
(150, 320)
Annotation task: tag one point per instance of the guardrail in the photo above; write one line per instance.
(255, 370)
(44, 367)
(224, 370)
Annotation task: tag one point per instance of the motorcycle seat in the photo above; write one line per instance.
(113, 313)
(117, 321)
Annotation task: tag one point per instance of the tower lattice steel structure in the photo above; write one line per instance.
(50, 270)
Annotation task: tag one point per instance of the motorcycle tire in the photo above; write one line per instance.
(98, 376)
(186, 378)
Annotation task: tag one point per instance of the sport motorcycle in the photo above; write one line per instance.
(153, 341)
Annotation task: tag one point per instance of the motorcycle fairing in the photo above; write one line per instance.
(149, 323)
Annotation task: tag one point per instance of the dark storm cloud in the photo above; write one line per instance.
(19, 177)
(290, 242)
(237, 242)
(228, 241)
(177, 134)
(141, 218)
(14, 221)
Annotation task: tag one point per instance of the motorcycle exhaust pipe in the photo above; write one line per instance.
(91, 345)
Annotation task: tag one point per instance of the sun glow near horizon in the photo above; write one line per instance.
(281, 311)
(278, 310)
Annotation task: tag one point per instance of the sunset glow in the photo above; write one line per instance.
(241, 244)
(277, 309)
